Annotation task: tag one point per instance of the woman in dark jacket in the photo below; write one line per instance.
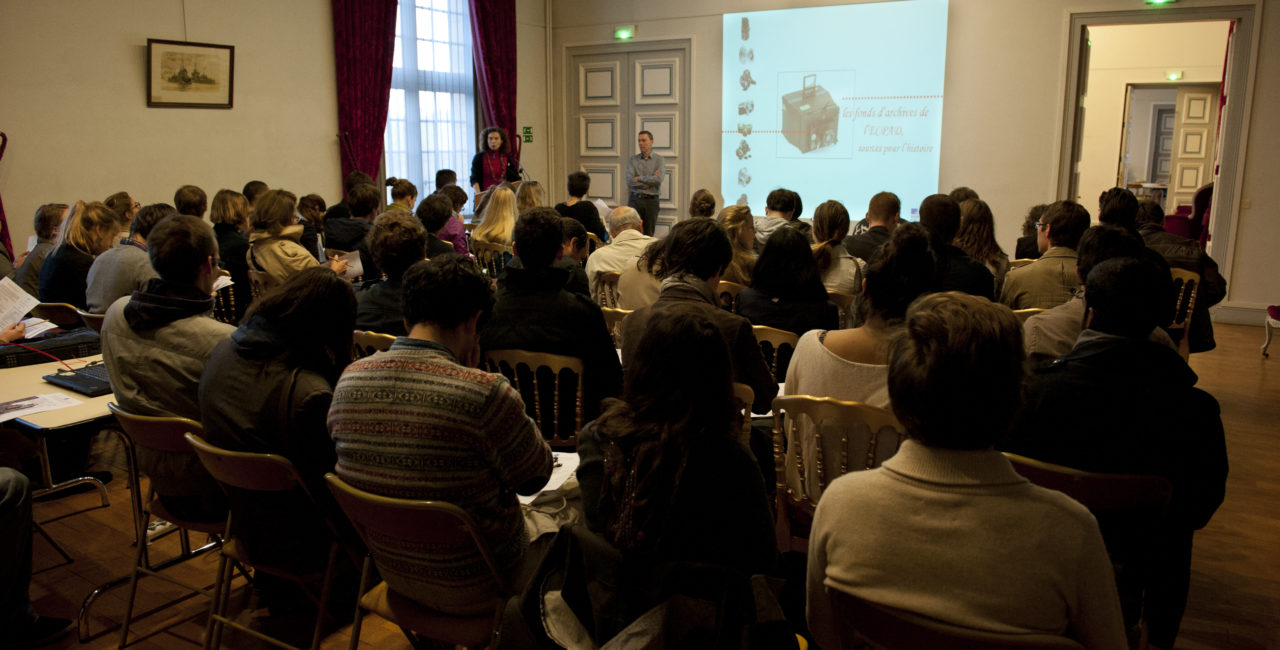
(786, 289)
(89, 230)
(230, 216)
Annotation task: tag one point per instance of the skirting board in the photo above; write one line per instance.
(1239, 313)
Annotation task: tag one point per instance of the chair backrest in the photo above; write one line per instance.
(843, 301)
(224, 302)
(91, 320)
(1024, 314)
(1185, 286)
(1020, 262)
(613, 320)
(59, 313)
(803, 454)
(863, 622)
(1198, 224)
(1121, 492)
(728, 294)
(365, 343)
(538, 377)
(489, 255)
(154, 432)
(260, 282)
(607, 288)
(744, 397)
(442, 527)
(245, 470)
(773, 343)
(594, 242)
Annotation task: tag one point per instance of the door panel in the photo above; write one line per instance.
(1194, 135)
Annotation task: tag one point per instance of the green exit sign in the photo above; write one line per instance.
(527, 133)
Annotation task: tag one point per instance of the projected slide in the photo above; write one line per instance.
(834, 103)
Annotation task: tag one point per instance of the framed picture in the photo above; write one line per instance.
(181, 74)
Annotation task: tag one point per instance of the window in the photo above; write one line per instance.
(431, 113)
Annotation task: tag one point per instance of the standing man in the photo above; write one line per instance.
(644, 176)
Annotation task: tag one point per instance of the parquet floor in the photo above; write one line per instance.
(1235, 584)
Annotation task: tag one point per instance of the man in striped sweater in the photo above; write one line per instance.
(419, 421)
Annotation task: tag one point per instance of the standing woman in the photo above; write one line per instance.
(494, 163)
(840, 271)
(88, 231)
(741, 228)
(230, 216)
(403, 195)
(977, 237)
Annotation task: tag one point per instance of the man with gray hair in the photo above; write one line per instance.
(628, 242)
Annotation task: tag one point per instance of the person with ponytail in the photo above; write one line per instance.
(839, 269)
(89, 231)
(403, 195)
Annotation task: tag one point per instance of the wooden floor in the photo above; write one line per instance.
(1235, 583)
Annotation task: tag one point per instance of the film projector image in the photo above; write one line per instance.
(811, 116)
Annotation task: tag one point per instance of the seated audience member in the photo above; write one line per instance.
(454, 231)
(580, 210)
(445, 178)
(191, 200)
(13, 332)
(342, 209)
(1120, 404)
(640, 283)
(1118, 207)
(663, 475)
(977, 238)
(273, 244)
(574, 243)
(291, 348)
(498, 218)
(528, 196)
(230, 216)
(1050, 280)
(702, 204)
(90, 229)
(448, 413)
(1027, 248)
(690, 261)
(741, 228)
(434, 212)
(48, 220)
(397, 241)
(347, 233)
(781, 208)
(121, 270)
(786, 290)
(534, 311)
(7, 267)
(155, 344)
(966, 555)
(404, 195)
(962, 194)
(882, 218)
(840, 271)
(23, 627)
(125, 208)
(254, 189)
(1183, 253)
(628, 242)
(956, 270)
(1051, 334)
(311, 218)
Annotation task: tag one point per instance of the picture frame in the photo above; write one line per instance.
(183, 74)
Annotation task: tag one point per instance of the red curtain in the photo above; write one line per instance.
(4, 223)
(364, 34)
(493, 35)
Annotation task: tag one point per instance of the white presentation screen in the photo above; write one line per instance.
(834, 103)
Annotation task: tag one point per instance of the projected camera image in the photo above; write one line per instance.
(810, 119)
(746, 80)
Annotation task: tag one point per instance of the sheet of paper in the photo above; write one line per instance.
(355, 268)
(31, 243)
(36, 327)
(565, 465)
(222, 282)
(14, 302)
(604, 210)
(35, 404)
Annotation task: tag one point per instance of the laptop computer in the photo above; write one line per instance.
(91, 380)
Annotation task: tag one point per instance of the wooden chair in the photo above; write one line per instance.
(364, 343)
(867, 437)
(62, 314)
(91, 320)
(844, 304)
(224, 302)
(773, 342)
(538, 377)
(1268, 324)
(1185, 286)
(156, 434)
(607, 288)
(443, 527)
(594, 242)
(1024, 314)
(260, 282)
(490, 257)
(1020, 262)
(613, 319)
(728, 293)
(266, 473)
(744, 397)
(866, 624)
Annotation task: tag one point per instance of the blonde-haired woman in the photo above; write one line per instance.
(90, 229)
(528, 196)
(740, 225)
(499, 218)
(273, 244)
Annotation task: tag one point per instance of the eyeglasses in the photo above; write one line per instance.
(1040, 224)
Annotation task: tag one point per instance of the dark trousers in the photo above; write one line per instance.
(647, 206)
(15, 550)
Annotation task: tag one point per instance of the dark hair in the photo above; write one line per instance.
(786, 268)
(252, 190)
(309, 203)
(456, 195)
(47, 219)
(645, 132)
(355, 178)
(883, 206)
(1033, 218)
(147, 218)
(900, 271)
(1127, 296)
(696, 246)
(1067, 220)
(396, 241)
(363, 199)
(120, 203)
(231, 208)
(1150, 212)
(445, 178)
(977, 234)
(484, 139)
(1101, 243)
(445, 291)
(941, 215)
(962, 194)
(434, 212)
(781, 200)
(573, 229)
(830, 226)
(401, 188)
(312, 315)
(703, 204)
(579, 183)
(1118, 206)
(537, 236)
(795, 198)
(274, 211)
(179, 246)
(677, 397)
(190, 200)
(955, 371)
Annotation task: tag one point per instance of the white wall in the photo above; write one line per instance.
(73, 102)
(531, 93)
(1125, 54)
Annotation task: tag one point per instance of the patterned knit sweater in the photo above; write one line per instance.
(412, 423)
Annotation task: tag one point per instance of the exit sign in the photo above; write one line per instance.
(527, 133)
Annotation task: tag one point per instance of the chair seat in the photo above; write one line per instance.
(459, 630)
(210, 527)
